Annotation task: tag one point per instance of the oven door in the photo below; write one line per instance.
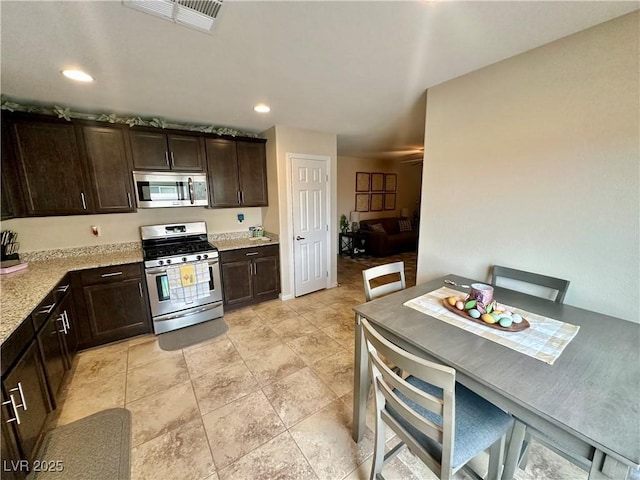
(159, 294)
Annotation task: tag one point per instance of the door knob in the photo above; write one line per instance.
(299, 238)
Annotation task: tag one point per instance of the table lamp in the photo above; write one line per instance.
(354, 218)
(404, 213)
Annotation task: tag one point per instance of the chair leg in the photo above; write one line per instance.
(524, 454)
(378, 449)
(496, 459)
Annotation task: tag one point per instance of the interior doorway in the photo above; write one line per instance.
(310, 200)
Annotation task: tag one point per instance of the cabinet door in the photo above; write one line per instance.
(236, 282)
(67, 321)
(266, 278)
(186, 152)
(6, 207)
(117, 310)
(50, 168)
(149, 150)
(223, 173)
(27, 378)
(108, 169)
(252, 173)
(53, 354)
(11, 205)
(12, 468)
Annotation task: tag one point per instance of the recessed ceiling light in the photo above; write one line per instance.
(262, 108)
(78, 75)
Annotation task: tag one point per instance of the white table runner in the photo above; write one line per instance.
(544, 340)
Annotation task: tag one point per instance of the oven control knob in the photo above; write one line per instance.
(205, 256)
(168, 260)
(199, 257)
(184, 259)
(160, 262)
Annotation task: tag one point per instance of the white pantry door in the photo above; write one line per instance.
(310, 231)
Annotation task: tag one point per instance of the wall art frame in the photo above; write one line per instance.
(377, 202)
(389, 201)
(377, 182)
(362, 202)
(363, 181)
(390, 182)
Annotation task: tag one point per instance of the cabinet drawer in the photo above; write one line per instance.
(115, 273)
(43, 310)
(49, 303)
(249, 253)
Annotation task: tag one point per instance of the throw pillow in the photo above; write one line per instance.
(405, 225)
(377, 227)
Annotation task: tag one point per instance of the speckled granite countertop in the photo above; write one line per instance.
(22, 291)
(224, 244)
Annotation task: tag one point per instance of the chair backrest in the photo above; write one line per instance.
(386, 380)
(557, 284)
(380, 271)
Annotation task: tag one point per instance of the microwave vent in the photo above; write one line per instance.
(197, 14)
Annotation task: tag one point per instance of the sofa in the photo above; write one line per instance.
(383, 236)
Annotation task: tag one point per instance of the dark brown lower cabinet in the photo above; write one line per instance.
(53, 352)
(25, 390)
(13, 467)
(116, 303)
(250, 275)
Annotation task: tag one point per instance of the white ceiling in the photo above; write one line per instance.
(357, 69)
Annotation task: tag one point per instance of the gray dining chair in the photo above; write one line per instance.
(440, 421)
(370, 274)
(558, 285)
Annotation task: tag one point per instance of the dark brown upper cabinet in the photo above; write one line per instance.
(159, 151)
(109, 168)
(50, 167)
(237, 173)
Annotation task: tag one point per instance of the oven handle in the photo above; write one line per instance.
(164, 270)
(182, 315)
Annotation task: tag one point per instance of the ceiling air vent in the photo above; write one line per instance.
(198, 14)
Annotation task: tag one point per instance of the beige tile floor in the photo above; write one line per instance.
(270, 399)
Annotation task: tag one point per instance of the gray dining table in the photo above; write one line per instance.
(586, 405)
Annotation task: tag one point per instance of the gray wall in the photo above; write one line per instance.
(533, 163)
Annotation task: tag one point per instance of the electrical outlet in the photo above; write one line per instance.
(95, 229)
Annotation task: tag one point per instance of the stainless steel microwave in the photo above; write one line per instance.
(170, 189)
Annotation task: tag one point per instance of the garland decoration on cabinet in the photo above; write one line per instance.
(11, 105)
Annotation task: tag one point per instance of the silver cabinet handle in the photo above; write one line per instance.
(300, 238)
(129, 199)
(166, 158)
(172, 160)
(84, 204)
(238, 195)
(191, 194)
(241, 197)
(15, 410)
(252, 253)
(110, 274)
(66, 321)
(64, 325)
(62, 288)
(47, 309)
(255, 269)
(23, 403)
(140, 288)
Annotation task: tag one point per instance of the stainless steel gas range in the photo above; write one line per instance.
(171, 253)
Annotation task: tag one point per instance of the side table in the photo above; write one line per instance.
(351, 243)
